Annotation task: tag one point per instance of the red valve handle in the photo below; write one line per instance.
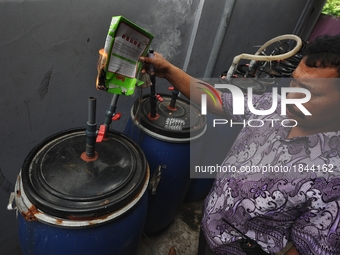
(101, 133)
(116, 116)
(159, 98)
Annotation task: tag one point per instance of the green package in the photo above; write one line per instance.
(119, 65)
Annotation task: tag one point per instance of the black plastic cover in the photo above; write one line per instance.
(57, 181)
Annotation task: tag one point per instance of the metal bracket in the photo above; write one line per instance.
(156, 177)
(10, 202)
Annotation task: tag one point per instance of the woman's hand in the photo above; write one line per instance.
(160, 65)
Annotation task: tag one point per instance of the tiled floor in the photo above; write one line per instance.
(182, 233)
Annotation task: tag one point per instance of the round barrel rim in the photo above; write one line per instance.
(84, 207)
(31, 213)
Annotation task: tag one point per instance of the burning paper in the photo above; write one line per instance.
(118, 65)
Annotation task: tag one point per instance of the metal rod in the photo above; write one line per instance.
(194, 30)
(220, 34)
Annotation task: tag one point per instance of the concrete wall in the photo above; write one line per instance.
(252, 23)
(49, 51)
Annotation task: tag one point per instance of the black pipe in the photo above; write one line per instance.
(174, 96)
(153, 98)
(111, 111)
(91, 128)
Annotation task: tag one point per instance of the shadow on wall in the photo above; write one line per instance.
(326, 24)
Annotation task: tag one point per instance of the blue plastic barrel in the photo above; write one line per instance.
(217, 142)
(70, 206)
(166, 142)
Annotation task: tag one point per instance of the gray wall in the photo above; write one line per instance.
(49, 51)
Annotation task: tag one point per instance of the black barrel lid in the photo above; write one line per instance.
(184, 122)
(58, 182)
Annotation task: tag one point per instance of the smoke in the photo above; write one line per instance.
(164, 20)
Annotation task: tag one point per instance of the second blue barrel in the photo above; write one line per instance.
(217, 142)
(169, 142)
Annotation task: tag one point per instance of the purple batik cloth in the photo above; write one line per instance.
(298, 201)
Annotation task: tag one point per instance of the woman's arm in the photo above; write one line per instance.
(190, 87)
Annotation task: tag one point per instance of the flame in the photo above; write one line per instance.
(102, 58)
(100, 81)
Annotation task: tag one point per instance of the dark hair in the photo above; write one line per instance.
(324, 51)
